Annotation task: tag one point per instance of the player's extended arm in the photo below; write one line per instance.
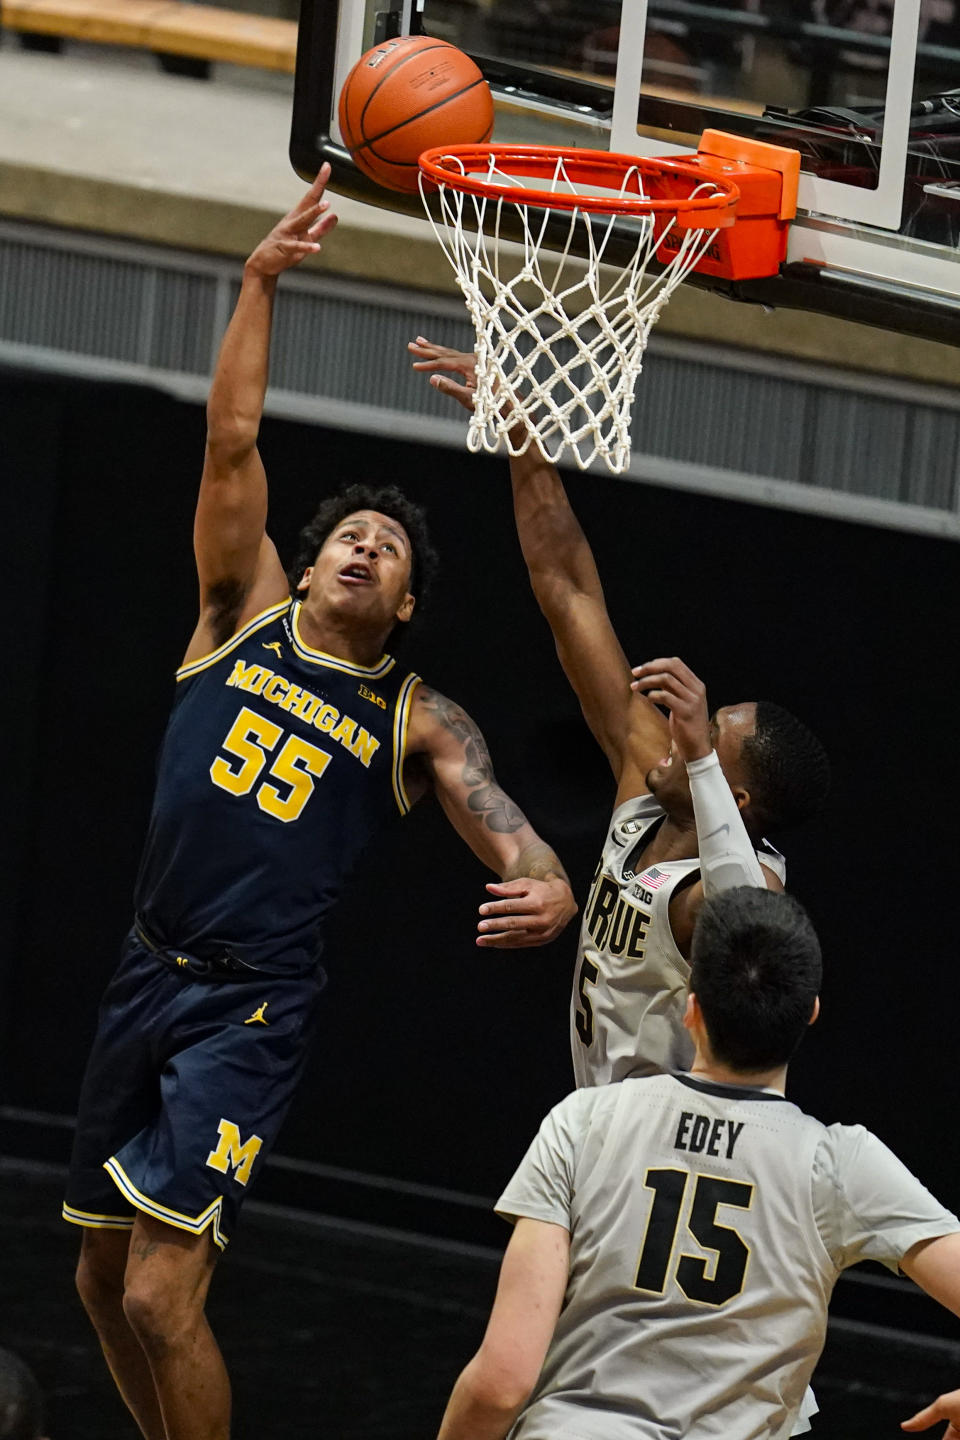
(534, 901)
(494, 1386)
(238, 567)
(934, 1265)
(567, 587)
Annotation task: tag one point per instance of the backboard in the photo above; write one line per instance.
(860, 87)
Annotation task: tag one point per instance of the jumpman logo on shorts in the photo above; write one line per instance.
(272, 645)
(257, 1017)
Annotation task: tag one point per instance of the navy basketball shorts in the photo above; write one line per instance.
(187, 1085)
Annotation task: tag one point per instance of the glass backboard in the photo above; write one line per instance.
(861, 88)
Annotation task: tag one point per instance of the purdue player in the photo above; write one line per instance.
(694, 798)
(293, 739)
(678, 1237)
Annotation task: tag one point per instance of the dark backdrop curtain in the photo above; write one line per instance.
(435, 1061)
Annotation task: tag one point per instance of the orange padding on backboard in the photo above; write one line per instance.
(758, 152)
(766, 176)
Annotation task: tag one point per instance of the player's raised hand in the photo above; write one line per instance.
(673, 685)
(945, 1407)
(433, 359)
(525, 913)
(298, 234)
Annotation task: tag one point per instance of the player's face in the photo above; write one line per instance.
(363, 569)
(729, 728)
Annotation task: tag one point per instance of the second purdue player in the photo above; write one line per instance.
(694, 796)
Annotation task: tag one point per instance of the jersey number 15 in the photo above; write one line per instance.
(710, 1282)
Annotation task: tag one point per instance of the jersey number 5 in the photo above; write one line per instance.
(298, 762)
(583, 1018)
(711, 1282)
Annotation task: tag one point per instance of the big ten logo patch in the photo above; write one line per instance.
(369, 695)
(234, 1154)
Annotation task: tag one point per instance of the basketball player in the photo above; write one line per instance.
(293, 740)
(678, 1237)
(21, 1404)
(694, 799)
(695, 795)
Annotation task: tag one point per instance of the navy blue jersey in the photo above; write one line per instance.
(278, 765)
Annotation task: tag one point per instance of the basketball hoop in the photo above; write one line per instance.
(558, 341)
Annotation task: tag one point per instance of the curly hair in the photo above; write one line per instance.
(387, 500)
(755, 968)
(787, 768)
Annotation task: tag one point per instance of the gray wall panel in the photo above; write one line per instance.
(751, 426)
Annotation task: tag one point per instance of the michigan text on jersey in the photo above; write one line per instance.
(258, 680)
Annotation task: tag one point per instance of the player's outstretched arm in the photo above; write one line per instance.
(565, 581)
(238, 568)
(493, 1388)
(533, 901)
(934, 1265)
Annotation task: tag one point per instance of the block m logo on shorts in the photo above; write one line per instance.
(233, 1155)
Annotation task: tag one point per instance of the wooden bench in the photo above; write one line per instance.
(167, 27)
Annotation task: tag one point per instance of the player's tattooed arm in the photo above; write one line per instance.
(484, 796)
(533, 901)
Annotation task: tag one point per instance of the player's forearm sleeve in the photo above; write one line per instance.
(727, 856)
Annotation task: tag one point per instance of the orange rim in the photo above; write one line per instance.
(582, 167)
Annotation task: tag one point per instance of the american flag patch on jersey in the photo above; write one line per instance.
(653, 878)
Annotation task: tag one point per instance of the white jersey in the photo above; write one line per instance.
(708, 1224)
(629, 987)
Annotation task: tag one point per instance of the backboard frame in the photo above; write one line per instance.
(881, 206)
(845, 257)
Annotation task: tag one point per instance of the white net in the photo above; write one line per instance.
(560, 339)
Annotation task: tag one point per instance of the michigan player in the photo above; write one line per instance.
(293, 740)
(678, 1237)
(694, 799)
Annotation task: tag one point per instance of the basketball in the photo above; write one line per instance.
(406, 96)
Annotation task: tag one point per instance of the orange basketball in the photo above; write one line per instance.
(405, 96)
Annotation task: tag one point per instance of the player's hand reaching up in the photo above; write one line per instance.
(298, 234)
(673, 685)
(435, 358)
(525, 913)
(946, 1407)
